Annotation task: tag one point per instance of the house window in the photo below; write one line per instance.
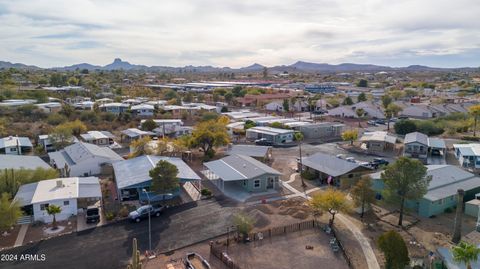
(65, 203)
(13, 149)
(256, 183)
(245, 183)
(43, 206)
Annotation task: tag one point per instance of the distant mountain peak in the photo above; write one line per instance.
(255, 66)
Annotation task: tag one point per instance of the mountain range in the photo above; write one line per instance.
(299, 66)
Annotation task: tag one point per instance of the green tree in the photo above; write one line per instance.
(362, 83)
(140, 147)
(404, 127)
(362, 97)
(228, 97)
(188, 97)
(244, 223)
(386, 100)
(350, 135)
(395, 250)
(164, 177)
(332, 201)
(363, 194)
(347, 101)
(73, 81)
(475, 112)
(405, 180)
(53, 210)
(9, 212)
(61, 136)
(286, 105)
(209, 134)
(249, 124)
(465, 253)
(391, 111)
(238, 91)
(149, 125)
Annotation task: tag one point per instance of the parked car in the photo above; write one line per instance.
(350, 159)
(92, 214)
(263, 142)
(380, 121)
(320, 112)
(376, 162)
(143, 212)
(402, 117)
(372, 122)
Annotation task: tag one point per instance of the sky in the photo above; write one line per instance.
(237, 33)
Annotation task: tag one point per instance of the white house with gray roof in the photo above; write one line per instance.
(276, 136)
(261, 153)
(82, 159)
(15, 145)
(238, 176)
(468, 155)
(420, 146)
(69, 194)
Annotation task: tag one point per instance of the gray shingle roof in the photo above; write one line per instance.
(329, 164)
(21, 161)
(239, 167)
(136, 170)
(80, 152)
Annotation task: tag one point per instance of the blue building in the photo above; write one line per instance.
(442, 190)
(320, 88)
(132, 176)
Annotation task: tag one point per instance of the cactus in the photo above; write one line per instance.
(136, 264)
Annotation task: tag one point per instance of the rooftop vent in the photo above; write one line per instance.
(59, 184)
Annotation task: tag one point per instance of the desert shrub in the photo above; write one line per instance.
(308, 175)
(206, 192)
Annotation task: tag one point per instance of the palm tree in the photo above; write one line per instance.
(465, 253)
(299, 139)
(53, 210)
(475, 112)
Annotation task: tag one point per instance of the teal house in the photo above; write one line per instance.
(239, 176)
(442, 190)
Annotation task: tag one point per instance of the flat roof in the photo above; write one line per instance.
(270, 130)
(22, 162)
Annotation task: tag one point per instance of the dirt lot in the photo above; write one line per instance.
(8, 239)
(288, 251)
(36, 232)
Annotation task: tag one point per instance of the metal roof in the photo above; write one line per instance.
(472, 149)
(248, 150)
(80, 152)
(134, 132)
(13, 141)
(416, 137)
(438, 143)
(270, 130)
(329, 164)
(136, 170)
(22, 161)
(91, 135)
(378, 136)
(239, 167)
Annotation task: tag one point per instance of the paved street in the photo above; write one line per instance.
(110, 246)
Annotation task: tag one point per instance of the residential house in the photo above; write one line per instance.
(69, 194)
(47, 144)
(132, 176)
(420, 146)
(276, 136)
(99, 138)
(239, 176)
(132, 134)
(332, 170)
(326, 131)
(378, 141)
(442, 189)
(50, 107)
(274, 106)
(143, 110)
(83, 159)
(370, 110)
(15, 145)
(22, 162)
(468, 155)
(115, 108)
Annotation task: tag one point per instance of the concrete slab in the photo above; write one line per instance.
(21, 235)
(83, 225)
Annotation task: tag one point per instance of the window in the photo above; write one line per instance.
(66, 203)
(43, 206)
(256, 183)
(245, 183)
(13, 149)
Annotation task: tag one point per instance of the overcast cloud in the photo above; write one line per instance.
(238, 33)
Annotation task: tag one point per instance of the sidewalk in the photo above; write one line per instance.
(21, 235)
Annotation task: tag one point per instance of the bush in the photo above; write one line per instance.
(428, 127)
(56, 119)
(206, 192)
(448, 210)
(308, 175)
(209, 154)
(470, 138)
(110, 216)
(123, 212)
(404, 127)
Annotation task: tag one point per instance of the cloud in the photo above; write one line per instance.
(238, 33)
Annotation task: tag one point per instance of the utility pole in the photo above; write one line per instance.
(149, 221)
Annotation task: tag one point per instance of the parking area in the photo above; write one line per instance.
(82, 222)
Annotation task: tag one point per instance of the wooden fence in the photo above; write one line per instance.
(217, 252)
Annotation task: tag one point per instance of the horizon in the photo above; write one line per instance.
(231, 34)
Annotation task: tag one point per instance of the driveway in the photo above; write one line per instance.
(110, 246)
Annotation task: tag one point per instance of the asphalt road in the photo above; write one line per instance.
(110, 246)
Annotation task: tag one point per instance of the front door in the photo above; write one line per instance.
(270, 183)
